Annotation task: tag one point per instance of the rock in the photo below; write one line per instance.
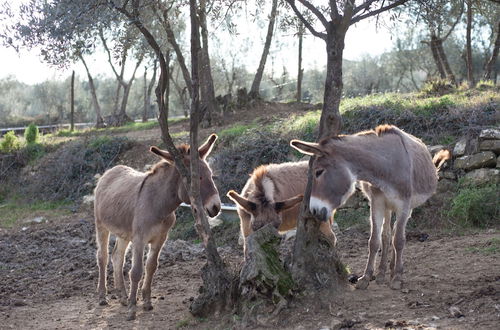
(460, 146)
(97, 176)
(434, 149)
(483, 175)
(490, 145)
(456, 312)
(445, 185)
(88, 199)
(447, 175)
(147, 167)
(490, 133)
(36, 220)
(182, 250)
(481, 159)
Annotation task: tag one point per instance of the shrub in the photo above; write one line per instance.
(9, 143)
(475, 205)
(485, 84)
(31, 134)
(437, 87)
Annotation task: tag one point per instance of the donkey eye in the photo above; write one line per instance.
(319, 172)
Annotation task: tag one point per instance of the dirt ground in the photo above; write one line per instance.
(49, 275)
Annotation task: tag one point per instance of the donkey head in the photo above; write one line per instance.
(333, 182)
(263, 212)
(208, 190)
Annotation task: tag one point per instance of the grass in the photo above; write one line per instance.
(492, 246)
(232, 133)
(14, 211)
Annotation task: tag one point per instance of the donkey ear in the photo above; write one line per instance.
(206, 148)
(307, 148)
(247, 205)
(288, 203)
(162, 153)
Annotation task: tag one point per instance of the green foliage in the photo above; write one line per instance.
(16, 210)
(31, 134)
(485, 84)
(9, 142)
(475, 206)
(437, 87)
(352, 217)
(232, 133)
(34, 151)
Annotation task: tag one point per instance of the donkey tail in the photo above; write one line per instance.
(440, 157)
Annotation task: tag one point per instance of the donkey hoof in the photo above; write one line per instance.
(362, 283)
(396, 285)
(380, 279)
(131, 315)
(147, 306)
(103, 302)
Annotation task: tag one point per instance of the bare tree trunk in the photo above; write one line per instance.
(147, 91)
(72, 102)
(217, 284)
(178, 52)
(207, 87)
(300, 71)
(254, 90)
(470, 72)
(491, 65)
(126, 92)
(444, 60)
(435, 55)
(95, 102)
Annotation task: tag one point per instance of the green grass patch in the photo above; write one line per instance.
(353, 217)
(475, 206)
(491, 246)
(232, 133)
(13, 212)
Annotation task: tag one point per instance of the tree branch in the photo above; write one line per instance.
(358, 18)
(316, 12)
(456, 22)
(306, 23)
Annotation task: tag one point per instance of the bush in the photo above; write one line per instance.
(31, 134)
(437, 87)
(475, 206)
(9, 143)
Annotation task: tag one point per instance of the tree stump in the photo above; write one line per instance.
(265, 284)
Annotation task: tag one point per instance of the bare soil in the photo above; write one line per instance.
(49, 276)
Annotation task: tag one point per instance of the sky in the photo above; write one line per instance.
(362, 38)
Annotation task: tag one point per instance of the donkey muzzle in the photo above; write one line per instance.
(320, 214)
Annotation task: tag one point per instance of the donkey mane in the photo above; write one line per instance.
(258, 176)
(377, 132)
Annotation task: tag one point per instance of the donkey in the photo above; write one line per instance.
(396, 174)
(272, 195)
(139, 208)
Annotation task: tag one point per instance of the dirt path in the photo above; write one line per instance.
(49, 276)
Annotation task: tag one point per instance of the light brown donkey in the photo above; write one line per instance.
(396, 173)
(139, 208)
(272, 195)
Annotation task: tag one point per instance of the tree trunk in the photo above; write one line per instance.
(300, 71)
(207, 87)
(254, 90)
(216, 292)
(72, 102)
(470, 72)
(435, 55)
(95, 102)
(178, 52)
(491, 65)
(147, 92)
(313, 265)
(444, 60)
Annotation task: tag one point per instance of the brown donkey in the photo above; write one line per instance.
(272, 195)
(396, 174)
(139, 208)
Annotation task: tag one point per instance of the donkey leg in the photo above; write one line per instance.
(102, 240)
(398, 242)
(118, 257)
(135, 276)
(151, 266)
(386, 246)
(377, 209)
